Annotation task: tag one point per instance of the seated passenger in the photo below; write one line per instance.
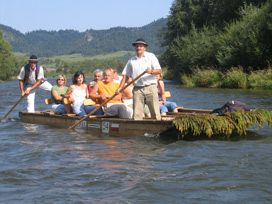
(57, 95)
(116, 77)
(98, 76)
(165, 106)
(106, 89)
(127, 96)
(78, 92)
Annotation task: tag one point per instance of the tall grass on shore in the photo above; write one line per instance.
(260, 79)
(233, 78)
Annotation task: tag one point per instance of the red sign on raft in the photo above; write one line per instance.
(115, 127)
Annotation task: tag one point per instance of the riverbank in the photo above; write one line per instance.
(234, 78)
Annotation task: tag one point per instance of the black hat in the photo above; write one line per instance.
(140, 41)
(33, 58)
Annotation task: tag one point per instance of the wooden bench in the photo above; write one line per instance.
(167, 94)
(48, 101)
(87, 102)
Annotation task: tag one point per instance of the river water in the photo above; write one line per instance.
(43, 164)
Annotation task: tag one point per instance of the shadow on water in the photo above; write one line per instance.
(174, 135)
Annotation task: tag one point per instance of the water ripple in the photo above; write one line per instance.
(43, 164)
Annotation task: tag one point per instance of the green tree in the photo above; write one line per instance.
(200, 13)
(216, 33)
(7, 65)
(248, 42)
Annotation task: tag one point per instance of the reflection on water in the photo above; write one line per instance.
(31, 128)
(44, 164)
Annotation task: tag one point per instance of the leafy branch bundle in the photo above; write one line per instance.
(226, 125)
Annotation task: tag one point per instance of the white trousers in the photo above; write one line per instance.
(118, 109)
(31, 96)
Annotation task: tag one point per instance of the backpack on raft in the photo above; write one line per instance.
(230, 107)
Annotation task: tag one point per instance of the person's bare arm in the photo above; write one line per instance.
(93, 92)
(127, 94)
(34, 86)
(87, 93)
(56, 96)
(154, 71)
(163, 97)
(122, 83)
(21, 84)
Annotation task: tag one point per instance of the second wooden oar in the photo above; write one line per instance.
(13, 107)
(72, 127)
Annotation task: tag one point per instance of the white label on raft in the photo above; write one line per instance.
(83, 124)
(93, 125)
(105, 127)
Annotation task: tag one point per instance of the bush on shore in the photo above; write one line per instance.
(232, 78)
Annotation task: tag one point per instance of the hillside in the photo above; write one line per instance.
(88, 43)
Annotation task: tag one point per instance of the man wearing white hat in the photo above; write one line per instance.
(30, 77)
(145, 89)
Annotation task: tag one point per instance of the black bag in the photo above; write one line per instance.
(230, 107)
(58, 102)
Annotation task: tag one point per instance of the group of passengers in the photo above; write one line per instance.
(144, 98)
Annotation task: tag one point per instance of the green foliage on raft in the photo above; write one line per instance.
(226, 125)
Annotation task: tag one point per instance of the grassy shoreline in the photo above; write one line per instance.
(234, 78)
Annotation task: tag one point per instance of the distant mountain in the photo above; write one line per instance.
(92, 42)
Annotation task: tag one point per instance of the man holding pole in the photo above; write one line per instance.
(30, 77)
(145, 88)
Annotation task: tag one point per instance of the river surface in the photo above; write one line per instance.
(43, 164)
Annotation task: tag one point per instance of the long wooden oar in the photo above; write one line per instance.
(72, 127)
(13, 107)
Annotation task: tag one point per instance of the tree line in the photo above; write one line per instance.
(89, 43)
(197, 35)
(217, 34)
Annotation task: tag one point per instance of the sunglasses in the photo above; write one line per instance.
(60, 79)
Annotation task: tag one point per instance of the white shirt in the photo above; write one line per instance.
(79, 94)
(136, 66)
(119, 80)
(32, 77)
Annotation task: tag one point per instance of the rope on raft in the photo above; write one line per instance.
(226, 125)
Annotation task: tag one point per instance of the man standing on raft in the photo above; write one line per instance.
(30, 77)
(145, 89)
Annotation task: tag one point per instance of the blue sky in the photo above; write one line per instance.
(30, 15)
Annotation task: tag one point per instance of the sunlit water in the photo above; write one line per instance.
(43, 164)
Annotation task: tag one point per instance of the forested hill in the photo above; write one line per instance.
(89, 43)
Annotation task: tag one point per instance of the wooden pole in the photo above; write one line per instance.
(13, 107)
(72, 127)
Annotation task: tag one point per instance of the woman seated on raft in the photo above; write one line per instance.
(165, 106)
(78, 92)
(57, 96)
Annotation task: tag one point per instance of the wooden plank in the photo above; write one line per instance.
(47, 101)
(108, 125)
(88, 102)
(188, 110)
(103, 125)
